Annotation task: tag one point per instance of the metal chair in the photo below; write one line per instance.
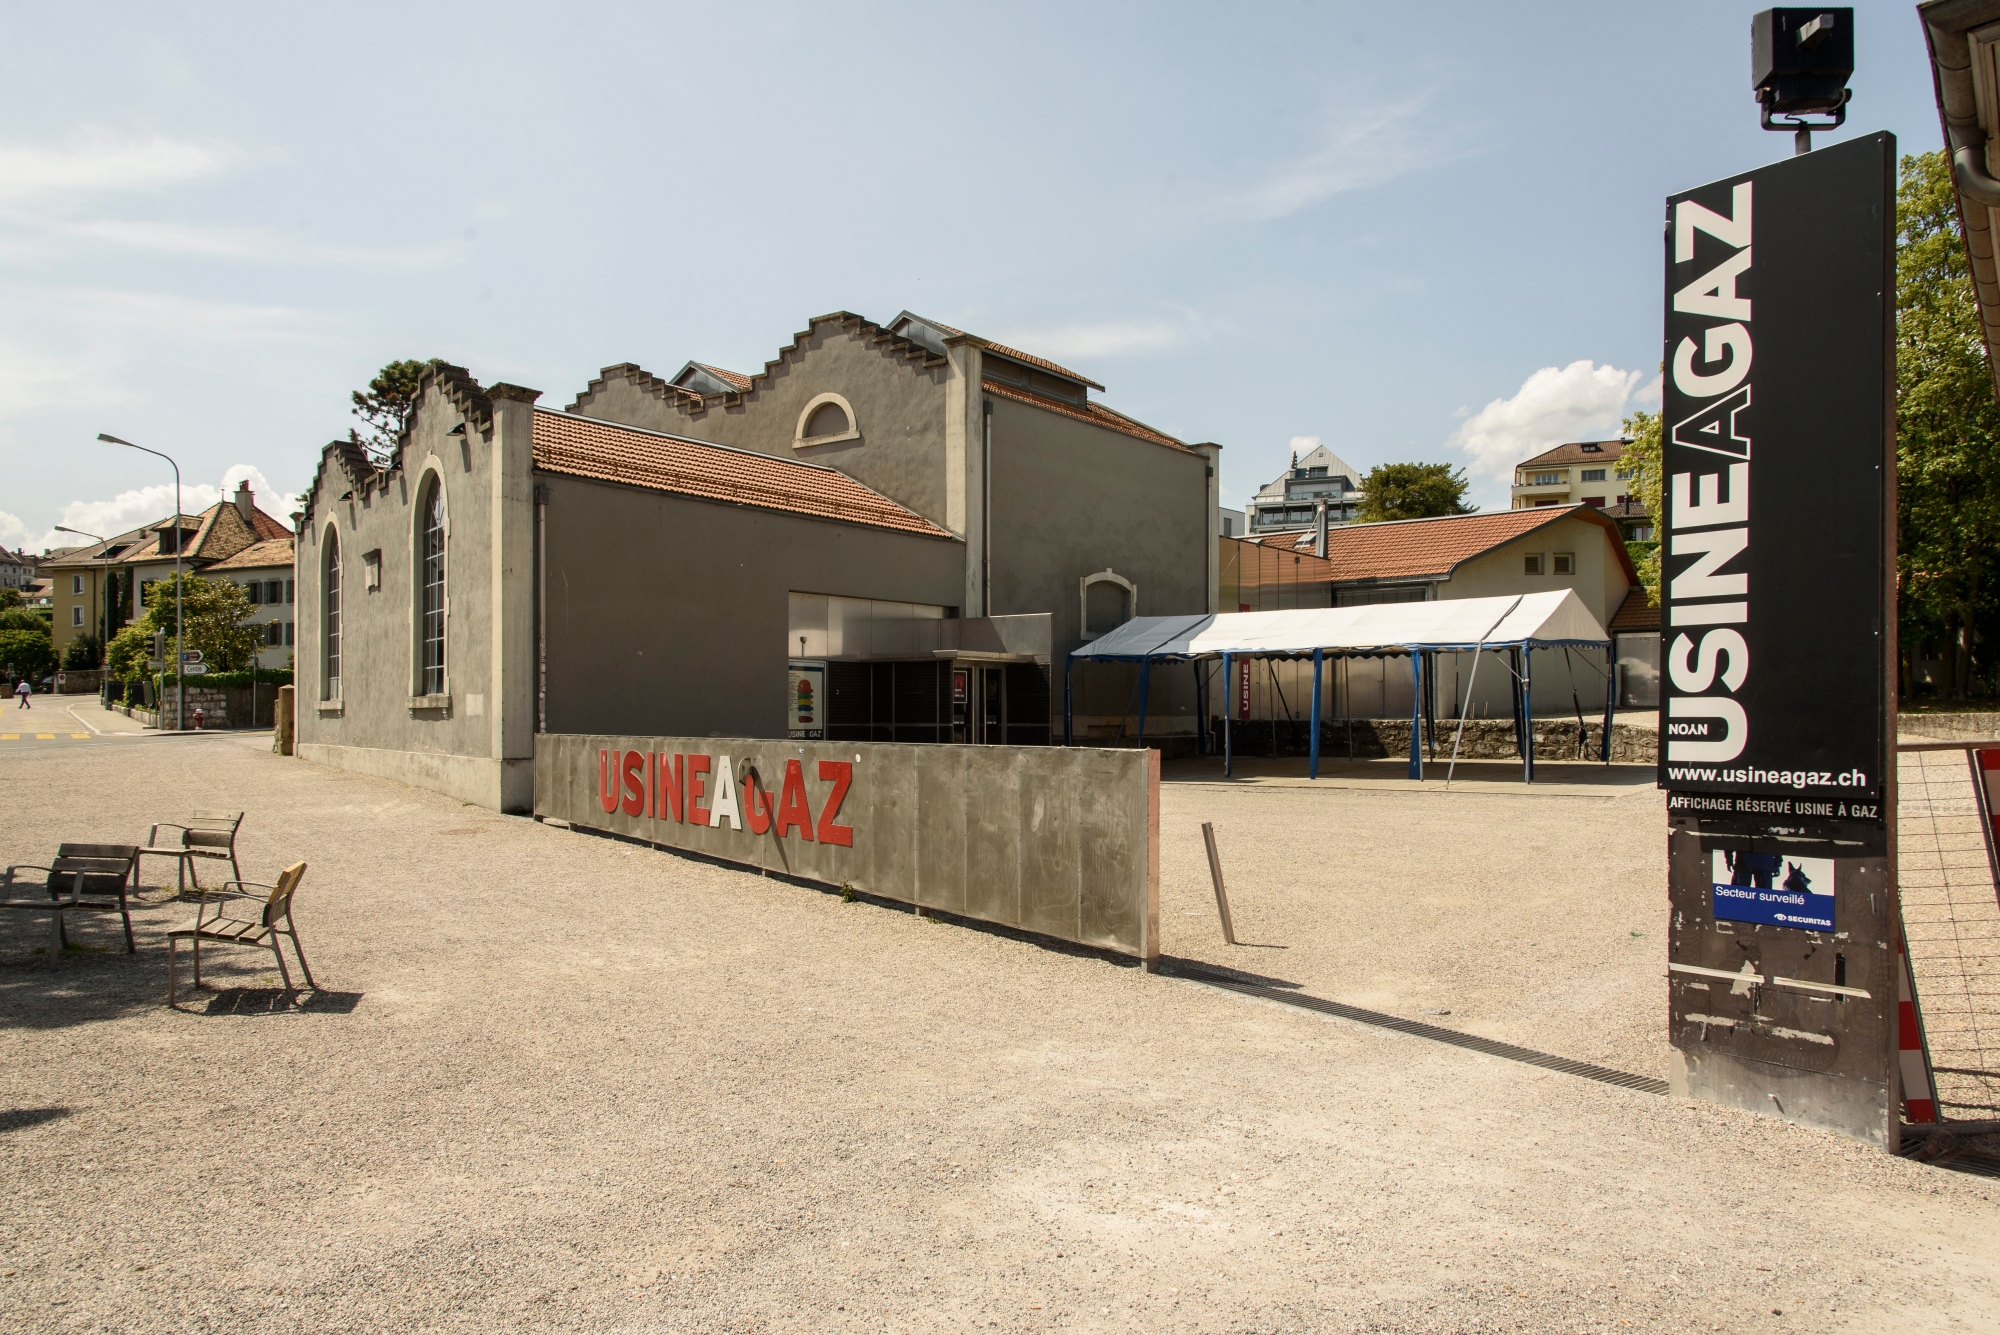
(207, 834)
(272, 919)
(82, 878)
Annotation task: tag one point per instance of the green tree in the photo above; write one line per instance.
(9, 598)
(1947, 433)
(83, 654)
(126, 656)
(27, 653)
(24, 618)
(1642, 457)
(385, 406)
(1412, 491)
(215, 610)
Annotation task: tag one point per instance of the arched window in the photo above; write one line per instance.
(431, 573)
(827, 418)
(329, 602)
(1109, 600)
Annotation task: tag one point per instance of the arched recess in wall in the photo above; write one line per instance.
(1108, 601)
(329, 615)
(430, 533)
(825, 419)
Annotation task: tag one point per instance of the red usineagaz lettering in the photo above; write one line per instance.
(610, 769)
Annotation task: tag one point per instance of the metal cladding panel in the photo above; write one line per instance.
(1048, 840)
(1050, 788)
(1778, 441)
(993, 837)
(1111, 843)
(1800, 1025)
(939, 820)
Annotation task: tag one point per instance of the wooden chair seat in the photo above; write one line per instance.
(216, 921)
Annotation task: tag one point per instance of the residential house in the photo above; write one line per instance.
(1318, 484)
(264, 571)
(1584, 472)
(918, 520)
(18, 569)
(100, 587)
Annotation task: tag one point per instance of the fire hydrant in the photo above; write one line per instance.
(197, 718)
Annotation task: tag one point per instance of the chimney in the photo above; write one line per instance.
(1319, 528)
(246, 504)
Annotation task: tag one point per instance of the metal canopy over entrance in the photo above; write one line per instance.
(1516, 625)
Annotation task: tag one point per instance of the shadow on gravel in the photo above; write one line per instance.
(1187, 968)
(277, 1001)
(19, 1119)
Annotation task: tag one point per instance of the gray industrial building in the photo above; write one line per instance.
(890, 532)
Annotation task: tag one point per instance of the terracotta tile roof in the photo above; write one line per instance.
(270, 552)
(1574, 453)
(1094, 413)
(1637, 612)
(585, 447)
(1433, 548)
(732, 378)
(1626, 510)
(1018, 355)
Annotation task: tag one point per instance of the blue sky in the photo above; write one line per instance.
(1432, 239)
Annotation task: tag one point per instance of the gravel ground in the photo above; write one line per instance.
(561, 1083)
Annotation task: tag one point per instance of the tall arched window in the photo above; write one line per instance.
(432, 571)
(330, 617)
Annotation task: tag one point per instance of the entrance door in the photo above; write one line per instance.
(993, 705)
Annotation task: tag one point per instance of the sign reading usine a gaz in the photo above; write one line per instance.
(1778, 461)
(1057, 840)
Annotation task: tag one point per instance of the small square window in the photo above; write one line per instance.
(1565, 563)
(371, 570)
(76, 584)
(76, 616)
(1531, 564)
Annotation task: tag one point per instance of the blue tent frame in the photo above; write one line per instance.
(1520, 654)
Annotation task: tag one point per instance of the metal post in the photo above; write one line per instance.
(1228, 713)
(1610, 696)
(1417, 714)
(1069, 703)
(180, 629)
(1145, 689)
(1514, 696)
(1200, 707)
(1528, 706)
(1312, 766)
(1215, 875)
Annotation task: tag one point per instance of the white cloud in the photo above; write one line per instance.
(1100, 340)
(1581, 401)
(1356, 148)
(258, 245)
(93, 162)
(144, 505)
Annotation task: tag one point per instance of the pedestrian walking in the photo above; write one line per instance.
(22, 692)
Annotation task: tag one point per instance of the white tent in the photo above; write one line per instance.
(1518, 624)
(1542, 620)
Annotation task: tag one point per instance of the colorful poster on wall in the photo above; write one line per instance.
(805, 701)
(1774, 889)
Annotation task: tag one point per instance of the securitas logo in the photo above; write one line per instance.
(1710, 510)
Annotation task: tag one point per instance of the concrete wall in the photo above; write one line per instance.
(476, 741)
(670, 615)
(1060, 841)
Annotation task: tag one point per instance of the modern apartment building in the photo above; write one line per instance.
(1585, 472)
(1293, 500)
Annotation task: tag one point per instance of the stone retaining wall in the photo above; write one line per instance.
(1485, 739)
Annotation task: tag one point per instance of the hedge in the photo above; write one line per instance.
(263, 677)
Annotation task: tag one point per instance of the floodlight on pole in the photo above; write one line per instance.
(180, 626)
(1800, 61)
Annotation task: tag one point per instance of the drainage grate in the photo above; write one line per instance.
(1645, 1084)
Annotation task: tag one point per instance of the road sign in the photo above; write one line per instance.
(191, 656)
(194, 670)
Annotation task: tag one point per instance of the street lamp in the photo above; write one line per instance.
(104, 625)
(180, 627)
(1800, 61)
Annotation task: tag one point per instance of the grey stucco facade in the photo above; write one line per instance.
(616, 596)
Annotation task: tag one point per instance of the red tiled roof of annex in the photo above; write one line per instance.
(585, 447)
(260, 555)
(1579, 452)
(1019, 356)
(1414, 548)
(1094, 413)
(1637, 612)
(732, 378)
